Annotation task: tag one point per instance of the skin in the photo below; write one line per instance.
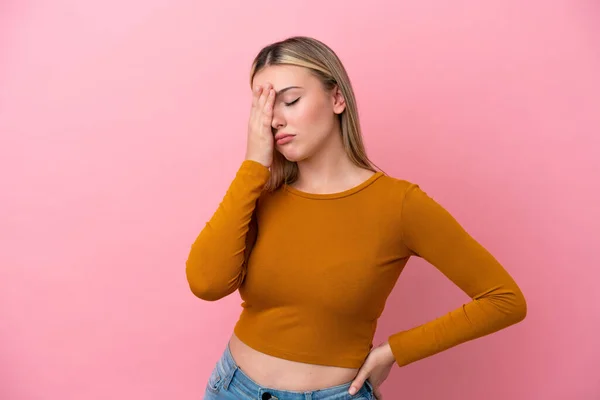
(289, 99)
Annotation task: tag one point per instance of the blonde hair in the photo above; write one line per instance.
(322, 61)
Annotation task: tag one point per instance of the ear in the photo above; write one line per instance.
(339, 103)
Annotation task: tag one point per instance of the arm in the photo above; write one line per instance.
(430, 232)
(215, 266)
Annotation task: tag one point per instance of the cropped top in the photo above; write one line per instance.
(314, 271)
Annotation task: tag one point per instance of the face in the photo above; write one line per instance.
(303, 109)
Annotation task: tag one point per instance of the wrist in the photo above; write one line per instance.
(388, 357)
(259, 160)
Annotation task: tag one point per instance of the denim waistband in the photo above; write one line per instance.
(232, 375)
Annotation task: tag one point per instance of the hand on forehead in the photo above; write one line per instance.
(284, 77)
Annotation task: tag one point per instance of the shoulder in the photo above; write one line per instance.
(397, 187)
(407, 194)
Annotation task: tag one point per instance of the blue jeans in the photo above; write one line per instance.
(228, 382)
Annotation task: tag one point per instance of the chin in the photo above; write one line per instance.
(292, 155)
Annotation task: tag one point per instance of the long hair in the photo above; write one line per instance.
(322, 61)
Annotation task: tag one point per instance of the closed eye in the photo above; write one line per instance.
(293, 102)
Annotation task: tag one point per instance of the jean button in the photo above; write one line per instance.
(266, 396)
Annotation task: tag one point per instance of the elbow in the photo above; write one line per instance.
(197, 279)
(204, 292)
(518, 309)
(200, 285)
(203, 284)
(521, 310)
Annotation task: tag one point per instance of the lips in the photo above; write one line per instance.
(282, 135)
(283, 138)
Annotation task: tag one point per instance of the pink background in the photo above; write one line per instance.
(123, 122)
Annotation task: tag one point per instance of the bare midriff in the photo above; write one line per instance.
(278, 373)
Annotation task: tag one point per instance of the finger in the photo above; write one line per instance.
(263, 96)
(378, 394)
(255, 95)
(357, 383)
(268, 110)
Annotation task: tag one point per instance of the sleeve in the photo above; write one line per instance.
(431, 233)
(215, 266)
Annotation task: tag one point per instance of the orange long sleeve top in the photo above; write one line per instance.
(314, 271)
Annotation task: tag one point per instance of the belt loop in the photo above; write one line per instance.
(228, 378)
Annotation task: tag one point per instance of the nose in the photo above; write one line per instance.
(278, 121)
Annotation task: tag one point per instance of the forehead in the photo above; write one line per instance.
(281, 76)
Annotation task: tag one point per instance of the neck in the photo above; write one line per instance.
(329, 170)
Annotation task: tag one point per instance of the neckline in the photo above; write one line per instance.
(336, 195)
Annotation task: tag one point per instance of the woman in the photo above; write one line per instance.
(315, 237)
